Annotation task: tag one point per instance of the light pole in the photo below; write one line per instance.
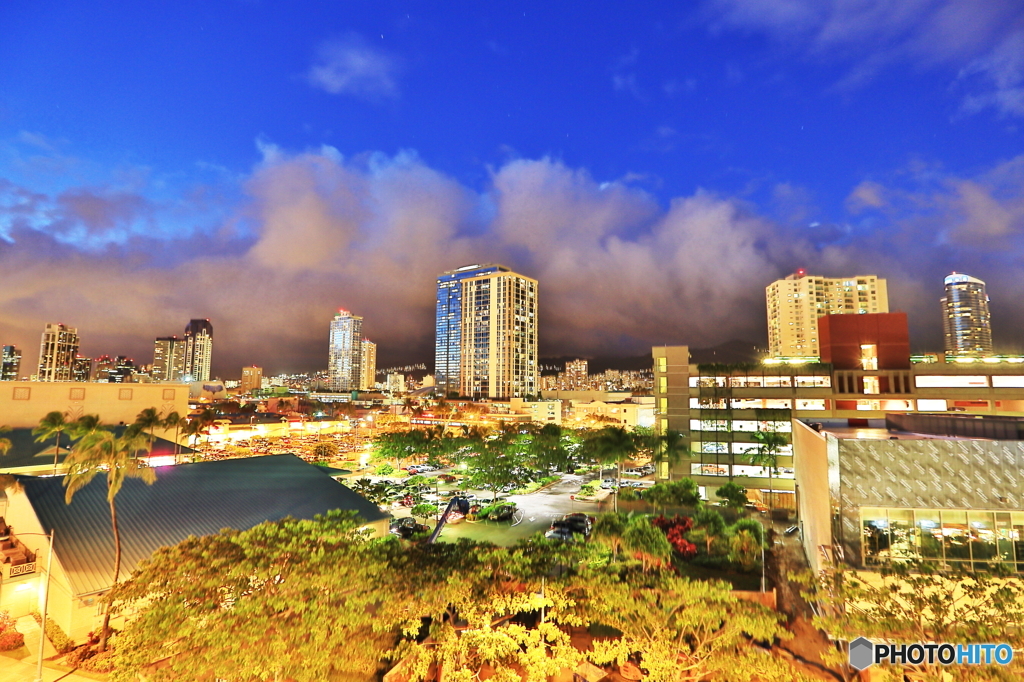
(46, 601)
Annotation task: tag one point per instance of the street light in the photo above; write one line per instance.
(46, 601)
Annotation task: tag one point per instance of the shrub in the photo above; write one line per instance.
(628, 495)
(752, 526)
(101, 662)
(675, 530)
(384, 470)
(60, 641)
(11, 639)
(76, 657)
(6, 622)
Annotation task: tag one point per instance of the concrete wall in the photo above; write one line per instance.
(810, 463)
(24, 403)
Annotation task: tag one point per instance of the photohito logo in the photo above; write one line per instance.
(864, 654)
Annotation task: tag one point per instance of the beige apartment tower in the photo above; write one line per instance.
(796, 303)
(499, 336)
(252, 379)
(369, 368)
(58, 349)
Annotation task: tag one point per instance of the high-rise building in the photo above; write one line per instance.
(169, 358)
(57, 352)
(965, 318)
(796, 303)
(486, 341)
(10, 364)
(198, 350)
(576, 375)
(369, 366)
(395, 383)
(346, 352)
(82, 369)
(123, 370)
(252, 379)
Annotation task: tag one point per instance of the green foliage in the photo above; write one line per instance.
(752, 526)
(325, 450)
(628, 495)
(590, 488)
(681, 493)
(709, 522)
(913, 603)
(745, 550)
(384, 469)
(733, 494)
(424, 511)
(646, 542)
(273, 602)
(688, 630)
(609, 530)
(60, 641)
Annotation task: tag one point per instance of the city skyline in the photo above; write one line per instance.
(655, 188)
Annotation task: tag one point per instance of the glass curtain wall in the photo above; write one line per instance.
(950, 538)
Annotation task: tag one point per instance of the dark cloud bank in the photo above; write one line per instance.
(618, 270)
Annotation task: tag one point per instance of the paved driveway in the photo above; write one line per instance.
(538, 509)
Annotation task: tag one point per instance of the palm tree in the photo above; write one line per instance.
(174, 419)
(53, 424)
(5, 443)
(671, 447)
(613, 445)
(103, 452)
(769, 445)
(149, 419)
(84, 425)
(192, 428)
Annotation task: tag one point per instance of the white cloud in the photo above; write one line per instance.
(352, 66)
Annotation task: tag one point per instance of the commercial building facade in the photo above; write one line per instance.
(872, 497)
(966, 323)
(719, 408)
(24, 403)
(797, 302)
(58, 349)
(345, 358)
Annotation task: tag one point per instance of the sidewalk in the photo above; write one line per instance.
(24, 670)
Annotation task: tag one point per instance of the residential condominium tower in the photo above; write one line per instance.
(345, 362)
(369, 368)
(252, 379)
(57, 352)
(168, 358)
(486, 342)
(10, 363)
(796, 303)
(965, 317)
(198, 350)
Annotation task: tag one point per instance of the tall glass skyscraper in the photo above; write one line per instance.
(345, 361)
(486, 333)
(965, 317)
(198, 350)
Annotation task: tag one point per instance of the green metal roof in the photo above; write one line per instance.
(26, 452)
(187, 499)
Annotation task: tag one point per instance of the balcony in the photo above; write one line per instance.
(15, 558)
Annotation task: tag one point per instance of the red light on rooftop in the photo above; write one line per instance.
(801, 271)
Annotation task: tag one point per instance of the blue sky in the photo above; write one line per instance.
(654, 167)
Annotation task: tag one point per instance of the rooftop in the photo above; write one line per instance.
(188, 499)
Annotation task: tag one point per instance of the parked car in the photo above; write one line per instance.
(609, 484)
(574, 524)
(561, 533)
(406, 527)
(447, 478)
